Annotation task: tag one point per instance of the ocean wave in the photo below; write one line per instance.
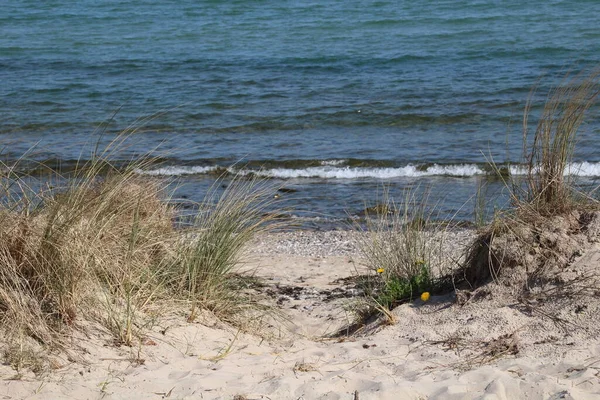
(333, 163)
(582, 169)
(335, 169)
(177, 171)
(329, 170)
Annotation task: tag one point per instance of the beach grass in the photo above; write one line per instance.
(99, 246)
(548, 151)
(545, 202)
(227, 220)
(524, 244)
(402, 251)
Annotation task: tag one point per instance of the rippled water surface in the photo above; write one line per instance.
(334, 98)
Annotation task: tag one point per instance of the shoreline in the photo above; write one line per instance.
(334, 242)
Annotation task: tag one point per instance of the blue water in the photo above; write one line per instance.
(333, 98)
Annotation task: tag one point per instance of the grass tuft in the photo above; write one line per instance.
(545, 229)
(548, 152)
(99, 245)
(403, 249)
(226, 223)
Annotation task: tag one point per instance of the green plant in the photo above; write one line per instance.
(226, 223)
(548, 154)
(404, 248)
(397, 290)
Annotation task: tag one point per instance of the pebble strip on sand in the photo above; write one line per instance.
(336, 242)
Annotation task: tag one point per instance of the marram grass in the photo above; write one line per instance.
(103, 249)
(548, 151)
(402, 251)
(226, 222)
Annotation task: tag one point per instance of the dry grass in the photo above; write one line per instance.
(548, 227)
(548, 154)
(476, 353)
(99, 236)
(102, 248)
(403, 253)
(226, 222)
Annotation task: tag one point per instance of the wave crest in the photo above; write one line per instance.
(335, 169)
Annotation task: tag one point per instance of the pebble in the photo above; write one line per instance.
(319, 244)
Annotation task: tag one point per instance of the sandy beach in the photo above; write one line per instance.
(294, 200)
(484, 348)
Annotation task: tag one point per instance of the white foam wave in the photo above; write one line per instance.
(361, 172)
(583, 169)
(331, 171)
(333, 163)
(517, 170)
(177, 171)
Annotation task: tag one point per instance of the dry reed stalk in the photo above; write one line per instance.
(549, 190)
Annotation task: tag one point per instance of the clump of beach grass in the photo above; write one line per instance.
(550, 220)
(99, 246)
(71, 250)
(402, 250)
(548, 153)
(227, 220)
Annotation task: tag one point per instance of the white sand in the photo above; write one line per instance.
(435, 350)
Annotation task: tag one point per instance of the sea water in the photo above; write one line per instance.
(334, 100)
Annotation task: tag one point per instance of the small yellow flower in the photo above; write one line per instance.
(420, 262)
(425, 296)
(380, 270)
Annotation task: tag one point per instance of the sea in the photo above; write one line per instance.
(334, 102)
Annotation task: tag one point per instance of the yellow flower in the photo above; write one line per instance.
(420, 262)
(425, 296)
(380, 270)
